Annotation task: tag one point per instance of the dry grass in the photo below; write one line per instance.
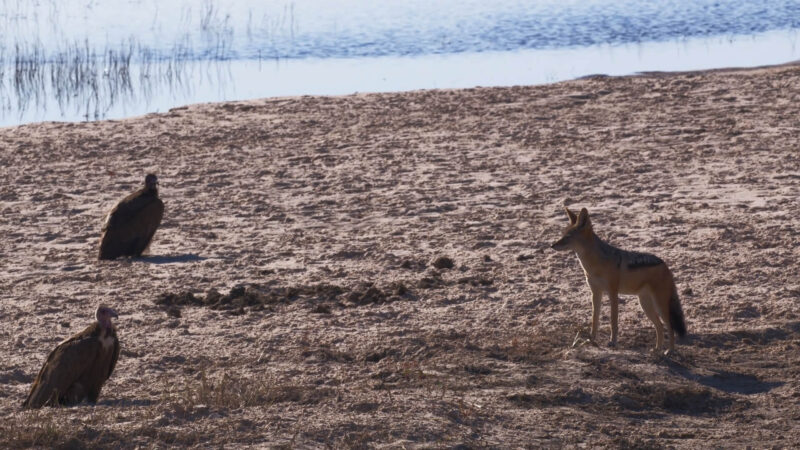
(39, 429)
(229, 391)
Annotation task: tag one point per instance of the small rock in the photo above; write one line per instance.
(627, 402)
(212, 296)
(237, 291)
(321, 309)
(443, 262)
(398, 288)
(429, 283)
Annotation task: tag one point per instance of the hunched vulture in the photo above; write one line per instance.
(79, 366)
(131, 224)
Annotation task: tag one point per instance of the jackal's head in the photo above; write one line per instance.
(578, 232)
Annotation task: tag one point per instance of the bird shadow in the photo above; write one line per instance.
(171, 259)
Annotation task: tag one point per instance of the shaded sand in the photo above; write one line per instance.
(290, 297)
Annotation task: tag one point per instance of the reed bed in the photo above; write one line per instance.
(85, 78)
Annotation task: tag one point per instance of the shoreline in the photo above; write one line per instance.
(411, 91)
(332, 209)
(160, 89)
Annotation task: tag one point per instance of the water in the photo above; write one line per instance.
(88, 59)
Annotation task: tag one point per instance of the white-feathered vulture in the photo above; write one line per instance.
(131, 224)
(79, 366)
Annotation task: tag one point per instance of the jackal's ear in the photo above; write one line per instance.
(571, 215)
(583, 218)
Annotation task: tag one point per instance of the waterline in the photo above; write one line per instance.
(107, 91)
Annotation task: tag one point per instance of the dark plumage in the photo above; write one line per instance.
(79, 366)
(130, 226)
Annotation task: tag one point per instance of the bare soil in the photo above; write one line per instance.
(375, 271)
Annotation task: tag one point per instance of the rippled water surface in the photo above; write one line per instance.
(75, 60)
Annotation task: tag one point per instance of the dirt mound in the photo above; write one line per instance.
(443, 262)
(258, 297)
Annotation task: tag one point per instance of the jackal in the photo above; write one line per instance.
(615, 271)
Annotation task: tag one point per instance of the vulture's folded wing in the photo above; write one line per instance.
(127, 208)
(65, 364)
(130, 227)
(114, 357)
(147, 222)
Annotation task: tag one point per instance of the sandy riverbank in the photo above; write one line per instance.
(313, 199)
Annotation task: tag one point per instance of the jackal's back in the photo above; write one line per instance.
(629, 259)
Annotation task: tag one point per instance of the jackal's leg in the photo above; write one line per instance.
(663, 310)
(597, 298)
(649, 307)
(613, 297)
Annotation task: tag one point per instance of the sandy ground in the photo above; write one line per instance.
(290, 297)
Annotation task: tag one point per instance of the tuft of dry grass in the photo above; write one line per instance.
(229, 391)
(40, 428)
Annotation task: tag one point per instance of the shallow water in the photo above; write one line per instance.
(79, 60)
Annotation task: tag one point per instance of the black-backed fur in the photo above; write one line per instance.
(634, 260)
(638, 260)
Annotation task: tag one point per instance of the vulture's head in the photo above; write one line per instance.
(151, 181)
(104, 315)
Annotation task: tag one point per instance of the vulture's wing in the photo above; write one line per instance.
(64, 365)
(147, 222)
(114, 357)
(127, 208)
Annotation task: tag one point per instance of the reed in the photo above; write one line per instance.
(84, 78)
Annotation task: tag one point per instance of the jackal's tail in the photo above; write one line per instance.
(676, 320)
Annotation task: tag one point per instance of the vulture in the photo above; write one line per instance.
(131, 224)
(77, 368)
